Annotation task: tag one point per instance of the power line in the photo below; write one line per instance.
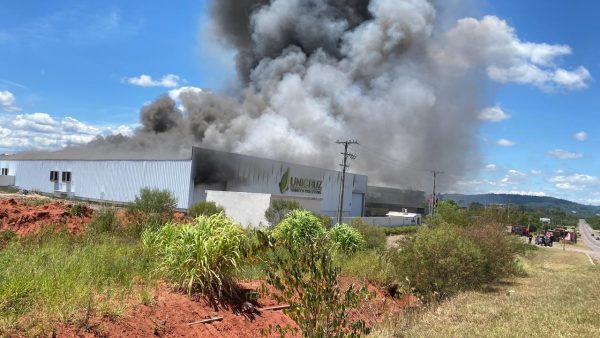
(344, 166)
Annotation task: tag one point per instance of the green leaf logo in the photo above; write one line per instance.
(284, 184)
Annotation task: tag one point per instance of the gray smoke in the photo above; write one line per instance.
(314, 71)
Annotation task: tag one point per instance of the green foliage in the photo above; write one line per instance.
(279, 208)
(402, 230)
(205, 209)
(298, 227)
(37, 201)
(449, 212)
(347, 239)
(374, 236)
(105, 220)
(61, 277)
(6, 237)
(201, 256)
(151, 209)
(438, 262)
(594, 222)
(306, 278)
(78, 210)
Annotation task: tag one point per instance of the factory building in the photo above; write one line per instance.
(243, 185)
(382, 200)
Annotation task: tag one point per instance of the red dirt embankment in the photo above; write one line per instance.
(171, 313)
(25, 219)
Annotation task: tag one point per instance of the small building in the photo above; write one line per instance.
(381, 201)
(243, 185)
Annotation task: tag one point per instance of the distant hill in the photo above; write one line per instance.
(528, 201)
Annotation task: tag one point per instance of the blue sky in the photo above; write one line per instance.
(78, 65)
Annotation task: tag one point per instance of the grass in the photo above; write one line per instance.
(9, 190)
(63, 278)
(402, 230)
(37, 201)
(559, 297)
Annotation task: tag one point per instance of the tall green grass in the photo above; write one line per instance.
(65, 278)
(200, 256)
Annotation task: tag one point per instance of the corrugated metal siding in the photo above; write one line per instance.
(117, 181)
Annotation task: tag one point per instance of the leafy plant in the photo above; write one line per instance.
(205, 209)
(151, 208)
(373, 235)
(279, 208)
(199, 256)
(105, 220)
(306, 278)
(347, 239)
(298, 227)
(78, 209)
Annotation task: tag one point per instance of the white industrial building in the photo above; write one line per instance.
(243, 185)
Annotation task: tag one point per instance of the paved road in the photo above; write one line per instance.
(586, 236)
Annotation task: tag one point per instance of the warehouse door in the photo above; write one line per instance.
(357, 205)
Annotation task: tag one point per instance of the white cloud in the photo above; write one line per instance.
(581, 136)
(521, 192)
(41, 131)
(536, 172)
(493, 45)
(175, 94)
(491, 167)
(167, 81)
(7, 102)
(513, 177)
(493, 114)
(564, 155)
(575, 182)
(506, 143)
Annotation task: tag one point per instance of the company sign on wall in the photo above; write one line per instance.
(299, 184)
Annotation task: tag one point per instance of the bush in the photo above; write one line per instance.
(151, 208)
(105, 220)
(438, 262)
(201, 256)
(78, 210)
(279, 209)
(374, 236)
(346, 239)
(205, 209)
(402, 230)
(298, 227)
(306, 278)
(499, 250)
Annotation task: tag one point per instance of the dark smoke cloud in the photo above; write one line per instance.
(314, 71)
(160, 116)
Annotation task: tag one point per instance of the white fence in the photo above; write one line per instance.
(391, 221)
(7, 181)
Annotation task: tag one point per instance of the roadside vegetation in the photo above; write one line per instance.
(59, 277)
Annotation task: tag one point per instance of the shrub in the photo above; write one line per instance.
(298, 227)
(347, 239)
(279, 209)
(402, 230)
(205, 209)
(7, 236)
(201, 256)
(151, 208)
(306, 278)
(78, 210)
(374, 236)
(499, 250)
(105, 220)
(438, 262)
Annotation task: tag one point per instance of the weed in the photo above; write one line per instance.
(105, 220)
(347, 239)
(205, 209)
(36, 202)
(151, 209)
(279, 208)
(200, 256)
(78, 210)
(374, 235)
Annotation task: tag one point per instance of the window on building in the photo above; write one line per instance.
(54, 176)
(4, 172)
(66, 176)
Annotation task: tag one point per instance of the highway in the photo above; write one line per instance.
(586, 236)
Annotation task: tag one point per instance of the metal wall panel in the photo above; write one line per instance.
(118, 181)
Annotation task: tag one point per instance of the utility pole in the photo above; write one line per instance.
(433, 199)
(344, 166)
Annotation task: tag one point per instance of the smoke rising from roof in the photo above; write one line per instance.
(314, 71)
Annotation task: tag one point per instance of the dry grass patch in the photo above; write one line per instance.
(559, 298)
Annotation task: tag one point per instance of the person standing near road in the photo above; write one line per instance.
(530, 238)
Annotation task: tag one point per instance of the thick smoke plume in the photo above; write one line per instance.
(314, 71)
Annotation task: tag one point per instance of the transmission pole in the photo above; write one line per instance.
(433, 199)
(344, 166)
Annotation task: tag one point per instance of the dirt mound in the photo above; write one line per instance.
(172, 312)
(28, 217)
